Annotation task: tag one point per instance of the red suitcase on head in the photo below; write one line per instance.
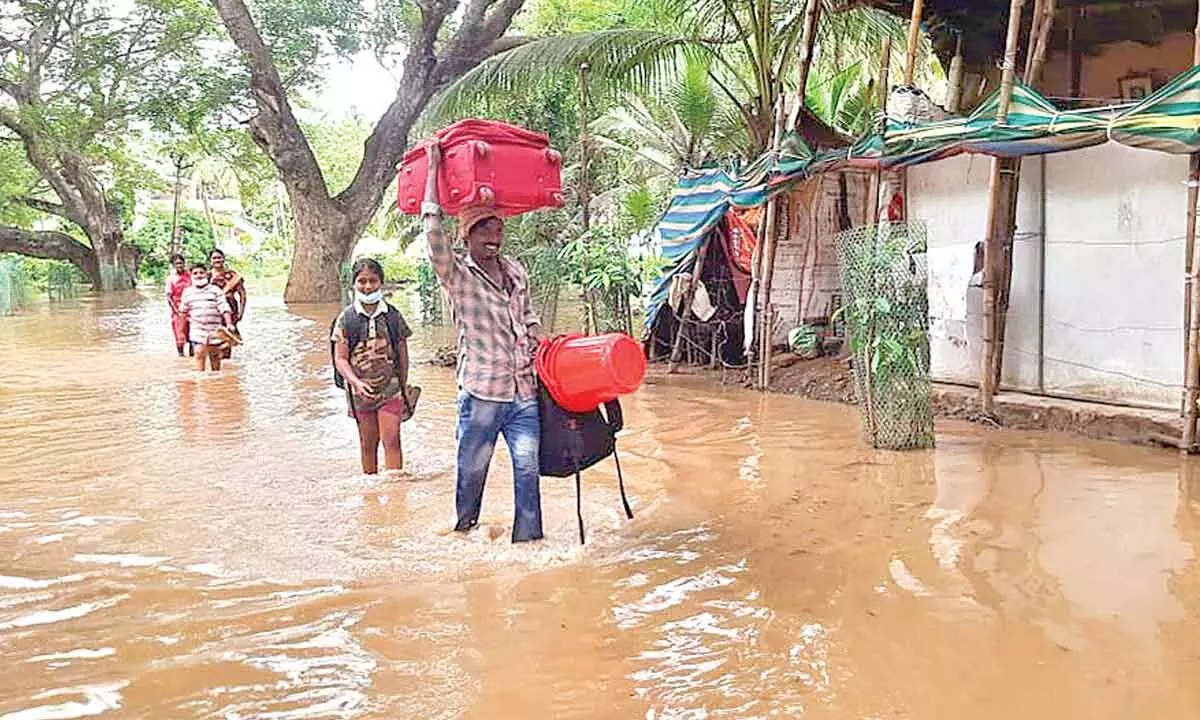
(485, 162)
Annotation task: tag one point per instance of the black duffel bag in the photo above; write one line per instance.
(573, 442)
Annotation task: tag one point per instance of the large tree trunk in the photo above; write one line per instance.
(110, 263)
(327, 227)
(325, 237)
(116, 263)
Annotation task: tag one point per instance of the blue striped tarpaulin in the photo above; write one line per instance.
(700, 201)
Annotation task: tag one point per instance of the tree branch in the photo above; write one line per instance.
(274, 128)
(504, 44)
(12, 89)
(68, 192)
(48, 245)
(420, 80)
(474, 43)
(44, 206)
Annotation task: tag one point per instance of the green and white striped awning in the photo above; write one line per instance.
(1167, 121)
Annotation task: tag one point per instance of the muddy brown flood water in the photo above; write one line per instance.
(174, 547)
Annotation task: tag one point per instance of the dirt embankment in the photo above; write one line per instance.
(830, 379)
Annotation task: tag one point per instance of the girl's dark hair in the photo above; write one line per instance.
(174, 257)
(368, 264)
(217, 251)
(199, 266)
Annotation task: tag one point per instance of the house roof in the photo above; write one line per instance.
(983, 23)
(818, 134)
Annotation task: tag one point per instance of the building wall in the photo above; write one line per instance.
(1100, 74)
(1113, 299)
(806, 261)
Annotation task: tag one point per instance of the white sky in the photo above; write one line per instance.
(362, 86)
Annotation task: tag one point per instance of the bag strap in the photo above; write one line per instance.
(353, 334)
(579, 505)
(391, 318)
(352, 326)
(621, 484)
(614, 416)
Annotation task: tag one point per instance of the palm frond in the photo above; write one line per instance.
(626, 58)
(693, 99)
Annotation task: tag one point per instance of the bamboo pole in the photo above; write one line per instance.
(955, 79)
(1008, 78)
(877, 176)
(1193, 287)
(768, 259)
(1074, 56)
(1010, 182)
(1193, 196)
(914, 38)
(808, 40)
(1040, 40)
(585, 190)
(1190, 244)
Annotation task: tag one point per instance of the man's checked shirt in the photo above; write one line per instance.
(496, 325)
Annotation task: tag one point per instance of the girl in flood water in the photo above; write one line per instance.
(370, 339)
(179, 281)
(234, 285)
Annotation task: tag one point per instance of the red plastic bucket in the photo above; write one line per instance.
(582, 372)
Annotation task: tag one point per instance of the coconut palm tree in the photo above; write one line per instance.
(747, 47)
(690, 125)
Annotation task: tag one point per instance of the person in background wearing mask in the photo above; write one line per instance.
(370, 353)
(498, 334)
(179, 281)
(208, 316)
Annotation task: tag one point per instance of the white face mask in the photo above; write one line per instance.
(200, 282)
(369, 298)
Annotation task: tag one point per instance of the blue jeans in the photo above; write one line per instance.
(479, 424)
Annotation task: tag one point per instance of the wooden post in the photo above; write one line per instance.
(770, 232)
(688, 296)
(877, 176)
(1010, 183)
(990, 245)
(808, 39)
(1074, 54)
(955, 79)
(585, 190)
(914, 39)
(1192, 287)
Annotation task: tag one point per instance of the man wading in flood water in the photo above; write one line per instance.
(498, 333)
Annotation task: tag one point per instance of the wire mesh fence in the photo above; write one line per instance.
(13, 284)
(886, 311)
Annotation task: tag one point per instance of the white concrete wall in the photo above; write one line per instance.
(951, 198)
(1114, 260)
(1114, 221)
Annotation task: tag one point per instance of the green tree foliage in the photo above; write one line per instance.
(748, 47)
(153, 240)
(80, 80)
